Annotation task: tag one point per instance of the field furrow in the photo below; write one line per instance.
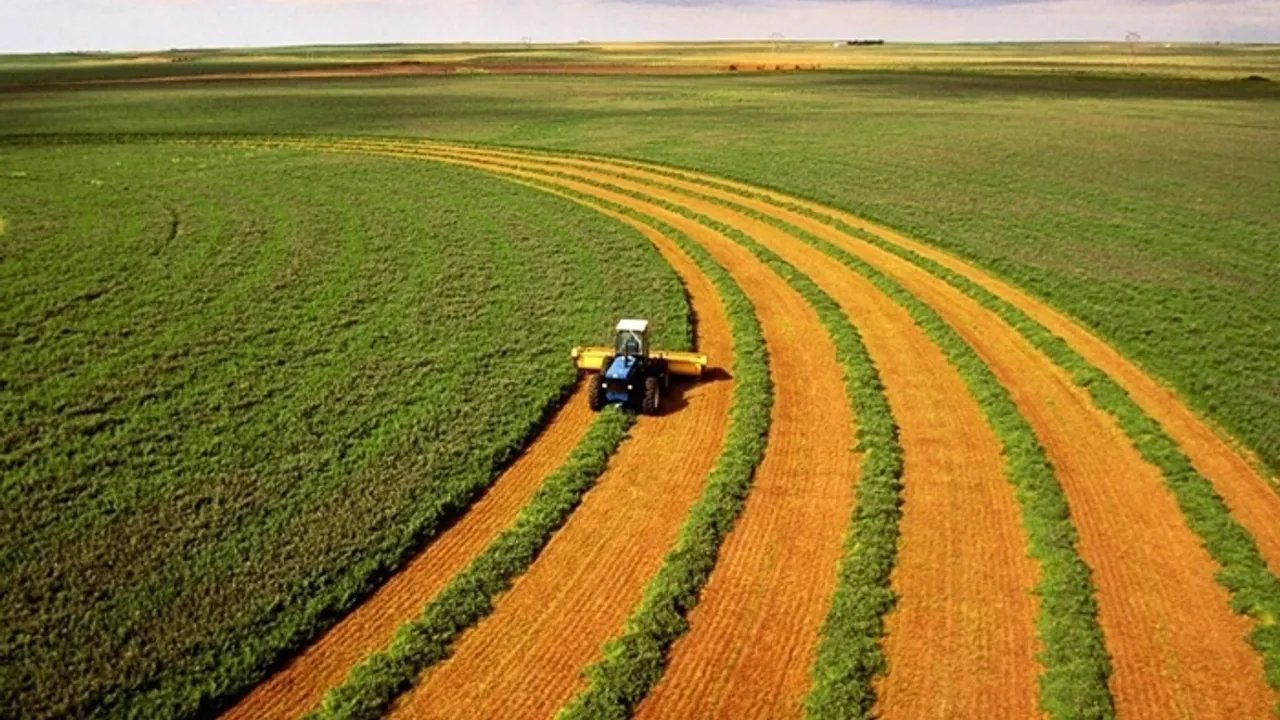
(299, 686)
(524, 660)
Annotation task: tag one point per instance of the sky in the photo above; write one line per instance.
(53, 25)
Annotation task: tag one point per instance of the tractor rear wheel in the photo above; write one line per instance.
(652, 396)
(595, 392)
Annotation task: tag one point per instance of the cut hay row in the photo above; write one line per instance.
(1247, 576)
(300, 685)
(860, 653)
(1190, 649)
(1242, 532)
(633, 660)
(1247, 494)
(378, 680)
(525, 659)
(780, 309)
(1043, 421)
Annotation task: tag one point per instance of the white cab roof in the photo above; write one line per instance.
(638, 326)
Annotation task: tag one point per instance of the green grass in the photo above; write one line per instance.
(1141, 206)
(373, 685)
(238, 387)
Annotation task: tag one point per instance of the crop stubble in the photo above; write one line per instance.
(524, 660)
(1178, 650)
(963, 573)
(1252, 502)
(299, 686)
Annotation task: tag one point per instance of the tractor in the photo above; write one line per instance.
(631, 373)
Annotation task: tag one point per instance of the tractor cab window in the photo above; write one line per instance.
(630, 343)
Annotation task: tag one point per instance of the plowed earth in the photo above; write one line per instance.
(962, 637)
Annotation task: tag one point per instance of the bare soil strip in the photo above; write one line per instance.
(299, 686)
(524, 660)
(1253, 502)
(963, 574)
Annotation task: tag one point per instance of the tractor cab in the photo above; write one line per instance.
(632, 338)
(631, 373)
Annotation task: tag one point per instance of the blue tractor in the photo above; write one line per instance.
(630, 373)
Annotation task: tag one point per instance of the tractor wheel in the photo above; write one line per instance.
(652, 396)
(595, 392)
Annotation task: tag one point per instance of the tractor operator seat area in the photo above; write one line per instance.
(631, 338)
(630, 343)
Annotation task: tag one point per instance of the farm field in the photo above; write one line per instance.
(991, 420)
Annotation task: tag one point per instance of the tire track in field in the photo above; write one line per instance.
(1178, 649)
(298, 686)
(524, 659)
(766, 601)
(965, 637)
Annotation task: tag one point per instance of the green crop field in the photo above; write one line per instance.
(239, 386)
(1141, 205)
(236, 391)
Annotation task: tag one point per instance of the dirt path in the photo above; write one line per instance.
(1252, 501)
(299, 686)
(964, 576)
(525, 659)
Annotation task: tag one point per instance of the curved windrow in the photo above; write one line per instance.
(1106, 519)
(236, 395)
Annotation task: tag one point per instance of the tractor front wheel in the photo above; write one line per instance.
(595, 392)
(652, 396)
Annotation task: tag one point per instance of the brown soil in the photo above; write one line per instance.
(299, 686)
(524, 659)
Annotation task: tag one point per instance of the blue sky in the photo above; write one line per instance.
(45, 25)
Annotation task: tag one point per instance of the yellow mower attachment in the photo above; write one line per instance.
(685, 364)
(631, 374)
